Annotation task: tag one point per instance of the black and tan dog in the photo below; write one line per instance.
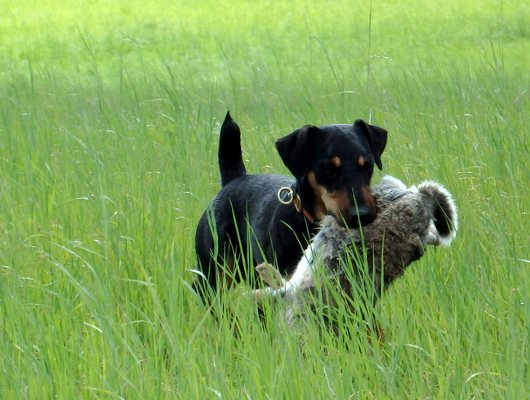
(266, 217)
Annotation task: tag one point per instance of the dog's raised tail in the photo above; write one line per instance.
(230, 157)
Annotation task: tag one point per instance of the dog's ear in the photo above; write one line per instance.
(295, 149)
(376, 137)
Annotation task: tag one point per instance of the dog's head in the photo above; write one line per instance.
(333, 166)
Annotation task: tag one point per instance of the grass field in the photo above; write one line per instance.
(109, 121)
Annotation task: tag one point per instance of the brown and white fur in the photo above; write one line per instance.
(340, 262)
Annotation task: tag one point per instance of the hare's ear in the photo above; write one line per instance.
(445, 216)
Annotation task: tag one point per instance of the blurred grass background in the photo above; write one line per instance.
(109, 120)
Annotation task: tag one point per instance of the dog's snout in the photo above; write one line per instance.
(362, 214)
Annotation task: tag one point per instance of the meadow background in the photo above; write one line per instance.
(109, 121)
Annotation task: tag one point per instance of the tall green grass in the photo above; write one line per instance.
(109, 119)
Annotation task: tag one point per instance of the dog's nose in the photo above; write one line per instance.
(361, 214)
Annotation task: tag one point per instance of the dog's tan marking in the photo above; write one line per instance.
(336, 161)
(337, 202)
(320, 207)
(361, 161)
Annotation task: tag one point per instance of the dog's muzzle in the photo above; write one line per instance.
(362, 214)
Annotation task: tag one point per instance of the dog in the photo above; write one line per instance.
(349, 267)
(272, 217)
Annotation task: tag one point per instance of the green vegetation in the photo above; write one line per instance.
(109, 120)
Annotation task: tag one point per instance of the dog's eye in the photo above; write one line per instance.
(332, 169)
(367, 167)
